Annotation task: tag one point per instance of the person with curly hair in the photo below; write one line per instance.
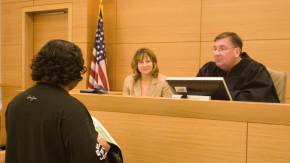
(44, 123)
(146, 80)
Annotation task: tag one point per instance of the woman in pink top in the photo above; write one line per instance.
(146, 80)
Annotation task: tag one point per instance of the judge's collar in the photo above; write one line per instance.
(232, 67)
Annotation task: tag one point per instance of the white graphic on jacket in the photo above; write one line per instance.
(100, 151)
(31, 98)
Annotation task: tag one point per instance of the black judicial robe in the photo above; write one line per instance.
(247, 81)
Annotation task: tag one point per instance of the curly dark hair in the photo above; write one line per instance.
(58, 62)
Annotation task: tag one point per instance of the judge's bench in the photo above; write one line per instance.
(178, 130)
(164, 130)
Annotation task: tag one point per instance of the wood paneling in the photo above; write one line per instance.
(88, 53)
(252, 20)
(85, 21)
(92, 20)
(80, 18)
(2, 156)
(268, 143)
(27, 48)
(271, 53)
(251, 112)
(30, 32)
(11, 66)
(46, 2)
(11, 22)
(12, 1)
(48, 27)
(85, 47)
(111, 65)
(206, 54)
(110, 21)
(174, 59)
(158, 21)
(175, 139)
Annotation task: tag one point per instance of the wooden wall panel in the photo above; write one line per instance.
(206, 54)
(80, 18)
(11, 66)
(46, 2)
(268, 143)
(48, 27)
(11, 22)
(2, 156)
(252, 20)
(12, 1)
(174, 59)
(158, 21)
(110, 21)
(88, 59)
(92, 20)
(111, 65)
(85, 47)
(271, 53)
(163, 138)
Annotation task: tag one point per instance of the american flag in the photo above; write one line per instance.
(98, 74)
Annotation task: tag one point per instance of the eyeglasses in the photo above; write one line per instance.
(221, 50)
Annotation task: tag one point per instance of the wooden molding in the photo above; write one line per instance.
(27, 35)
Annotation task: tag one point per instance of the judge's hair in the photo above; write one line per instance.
(139, 55)
(58, 62)
(235, 39)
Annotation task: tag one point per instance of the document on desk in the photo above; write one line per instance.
(103, 132)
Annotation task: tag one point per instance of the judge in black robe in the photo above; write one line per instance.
(247, 81)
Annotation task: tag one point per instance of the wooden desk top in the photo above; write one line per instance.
(252, 112)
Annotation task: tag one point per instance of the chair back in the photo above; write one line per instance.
(280, 82)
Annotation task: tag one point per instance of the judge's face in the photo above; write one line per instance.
(145, 65)
(225, 54)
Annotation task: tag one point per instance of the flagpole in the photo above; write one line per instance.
(99, 73)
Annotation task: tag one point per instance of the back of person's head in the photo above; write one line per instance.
(58, 62)
(139, 55)
(235, 39)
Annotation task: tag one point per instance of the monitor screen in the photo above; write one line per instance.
(201, 86)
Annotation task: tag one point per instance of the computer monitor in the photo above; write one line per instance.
(200, 86)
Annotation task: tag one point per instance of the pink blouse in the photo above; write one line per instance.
(144, 88)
